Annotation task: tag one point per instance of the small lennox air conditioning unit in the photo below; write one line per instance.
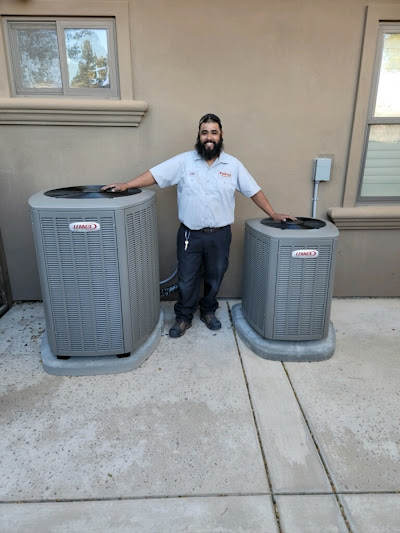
(288, 284)
(288, 277)
(99, 272)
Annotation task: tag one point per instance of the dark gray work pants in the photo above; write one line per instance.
(210, 250)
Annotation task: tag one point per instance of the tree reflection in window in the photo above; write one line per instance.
(87, 58)
(75, 57)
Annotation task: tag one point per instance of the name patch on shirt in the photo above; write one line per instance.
(225, 175)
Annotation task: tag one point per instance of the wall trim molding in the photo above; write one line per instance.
(71, 112)
(366, 217)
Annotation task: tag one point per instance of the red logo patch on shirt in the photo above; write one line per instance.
(225, 175)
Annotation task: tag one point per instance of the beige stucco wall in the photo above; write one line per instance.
(282, 75)
(368, 263)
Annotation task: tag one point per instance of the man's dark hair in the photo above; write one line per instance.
(210, 117)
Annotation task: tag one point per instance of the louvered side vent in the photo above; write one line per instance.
(144, 278)
(256, 256)
(83, 280)
(301, 294)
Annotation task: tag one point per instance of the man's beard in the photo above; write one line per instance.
(209, 153)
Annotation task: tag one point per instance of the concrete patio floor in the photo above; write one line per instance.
(205, 436)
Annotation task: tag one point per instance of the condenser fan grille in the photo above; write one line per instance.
(301, 223)
(85, 311)
(88, 192)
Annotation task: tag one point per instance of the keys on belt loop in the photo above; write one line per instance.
(187, 235)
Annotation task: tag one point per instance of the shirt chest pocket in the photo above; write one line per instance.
(191, 180)
(225, 180)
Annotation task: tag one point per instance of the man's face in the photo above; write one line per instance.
(209, 140)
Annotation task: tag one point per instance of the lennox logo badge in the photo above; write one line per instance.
(305, 253)
(84, 226)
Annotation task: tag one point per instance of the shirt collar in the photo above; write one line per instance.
(221, 159)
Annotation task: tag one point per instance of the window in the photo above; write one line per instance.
(380, 179)
(62, 57)
(67, 82)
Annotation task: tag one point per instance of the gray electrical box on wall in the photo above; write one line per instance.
(322, 168)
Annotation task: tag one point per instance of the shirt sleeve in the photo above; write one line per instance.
(169, 172)
(246, 184)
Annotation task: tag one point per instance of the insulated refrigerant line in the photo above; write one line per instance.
(315, 200)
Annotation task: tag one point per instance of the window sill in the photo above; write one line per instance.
(71, 112)
(366, 217)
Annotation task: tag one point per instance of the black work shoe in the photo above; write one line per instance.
(211, 321)
(179, 328)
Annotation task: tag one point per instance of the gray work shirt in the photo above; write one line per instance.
(206, 194)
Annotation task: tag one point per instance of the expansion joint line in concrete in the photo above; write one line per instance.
(189, 496)
(324, 464)
(274, 502)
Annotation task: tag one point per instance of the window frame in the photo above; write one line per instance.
(375, 15)
(383, 28)
(63, 110)
(59, 24)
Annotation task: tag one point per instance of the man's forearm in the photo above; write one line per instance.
(144, 180)
(262, 202)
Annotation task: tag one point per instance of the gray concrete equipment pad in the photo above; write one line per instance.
(352, 401)
(106, 364)
(297, 351)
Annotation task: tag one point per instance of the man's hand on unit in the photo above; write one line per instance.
(282, 218)
(114, 187)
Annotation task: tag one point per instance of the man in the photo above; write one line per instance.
(206, 181)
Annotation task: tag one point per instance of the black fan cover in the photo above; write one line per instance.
(301, 223)
(88, 192)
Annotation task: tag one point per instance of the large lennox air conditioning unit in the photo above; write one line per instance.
(288, 284)
(99, 272)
